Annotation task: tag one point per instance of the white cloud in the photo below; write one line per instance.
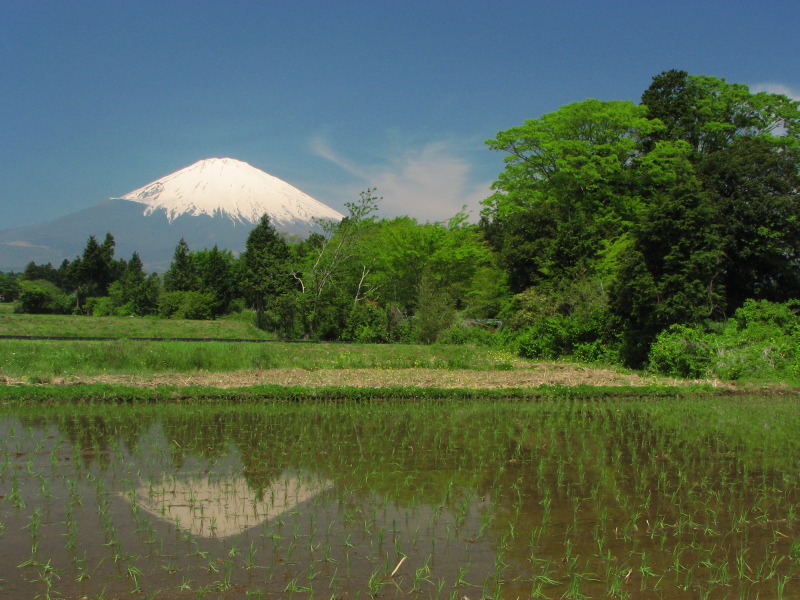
(776, 88)
(431, 183)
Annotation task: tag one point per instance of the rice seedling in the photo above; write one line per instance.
(210, 495)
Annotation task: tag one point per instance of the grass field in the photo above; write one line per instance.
(234, 327)
(66, 357)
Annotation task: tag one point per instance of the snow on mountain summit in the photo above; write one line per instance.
(230, 188)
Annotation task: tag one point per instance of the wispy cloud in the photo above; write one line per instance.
(431, 183)
(776, 88)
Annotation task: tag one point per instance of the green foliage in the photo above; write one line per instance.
(670, 273)
(566, 336)
(573, 185)
(332, 268)
(264, 271)
(761, 342)
(710, 113)
(96, 269)
(579, 157)
(181, 275)
(368, 323)
(186, 305)
(215, 274)
(754, 187)
(134, 294)
(9, 287)
(42, 297)
(404, 251)
(568, 320)
(682, 351)
(103, 306)
(468, 332)
(61, 277)
(435, 311)
(684, 207)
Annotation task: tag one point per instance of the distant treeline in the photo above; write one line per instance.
(618, 232)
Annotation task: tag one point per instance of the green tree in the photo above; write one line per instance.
(670, 274)
(571, 187)
(754, 186)
(403, 252)
(265, 269)
(96, 268)
(41, 297)
(215, 274)
(134, 293)
(181, 275)
(335, 272)
(9, 286)
(710, 114)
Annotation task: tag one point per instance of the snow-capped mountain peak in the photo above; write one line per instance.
(230, 188)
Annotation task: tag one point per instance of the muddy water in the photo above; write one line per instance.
(433, 501)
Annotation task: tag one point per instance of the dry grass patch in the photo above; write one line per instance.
(537, 375)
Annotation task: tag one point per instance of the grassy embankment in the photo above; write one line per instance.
(217, 364)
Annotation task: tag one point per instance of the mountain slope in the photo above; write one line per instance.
(213, 202)
(229, 188)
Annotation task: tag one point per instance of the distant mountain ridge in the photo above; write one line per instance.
(215, 201)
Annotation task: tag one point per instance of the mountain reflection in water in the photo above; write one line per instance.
(222, 507)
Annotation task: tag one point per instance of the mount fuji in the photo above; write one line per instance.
(216, 201)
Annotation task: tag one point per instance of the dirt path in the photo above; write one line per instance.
(533, 376)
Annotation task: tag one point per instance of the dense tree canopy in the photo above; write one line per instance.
(685, 205)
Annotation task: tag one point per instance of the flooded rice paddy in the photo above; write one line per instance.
(649, 498)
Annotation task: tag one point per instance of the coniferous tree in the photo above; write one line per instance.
(215, 276)
(265, 265)
(182, 275)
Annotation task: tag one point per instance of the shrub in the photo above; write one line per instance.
(100, 307)
(367, 323)
(761, 342)
(186, 305)
(466, 332)
(580, 336)
(682, 351)
(42, 297)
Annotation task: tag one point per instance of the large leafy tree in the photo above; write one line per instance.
(671, 271)
(447, 255)
(723, 226)
(579, 158)
(572, 185)
(265, 270)
(754, 186)
(711, 114)
(682, 207)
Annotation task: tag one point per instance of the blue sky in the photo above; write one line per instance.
(100, 98)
